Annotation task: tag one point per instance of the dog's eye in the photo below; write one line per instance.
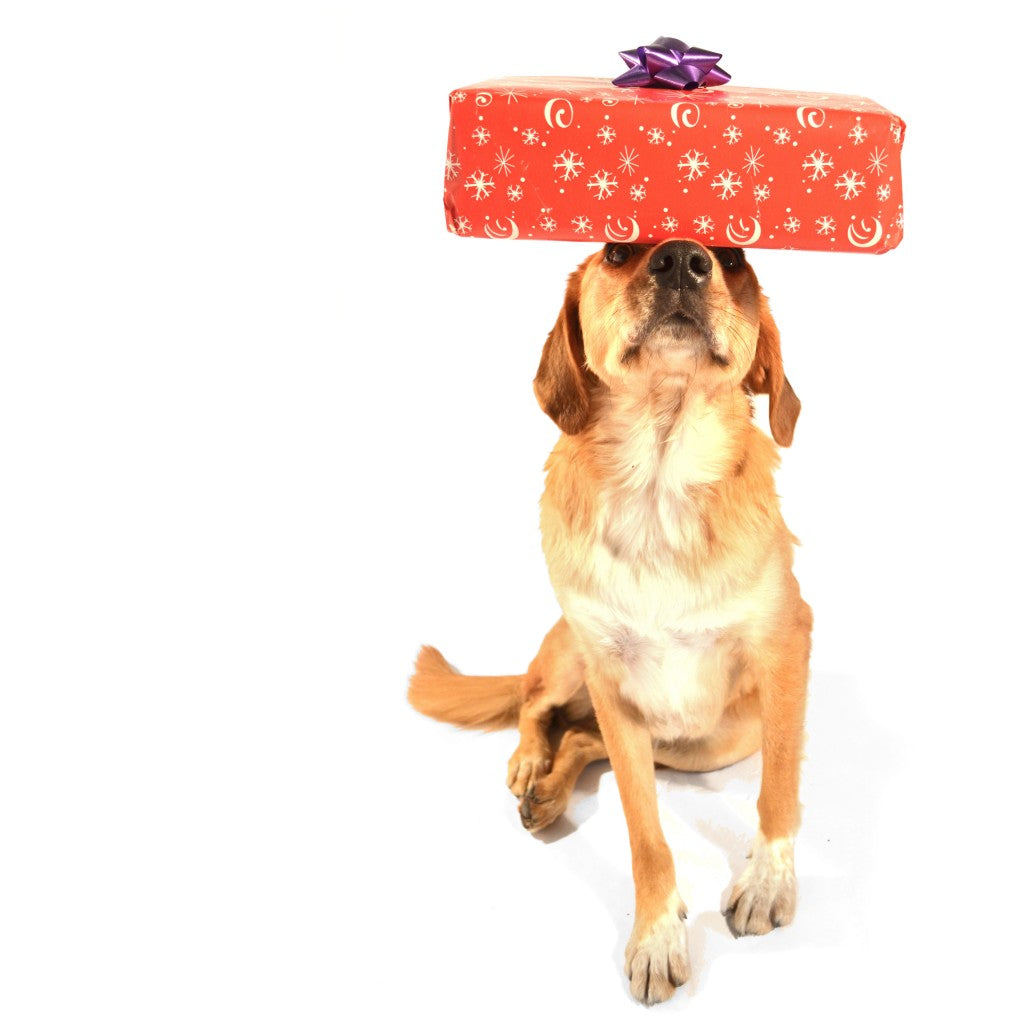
(729, 259)
(616, 255)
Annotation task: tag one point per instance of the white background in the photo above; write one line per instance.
(265, 428)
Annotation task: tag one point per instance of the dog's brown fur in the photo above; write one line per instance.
(684, 639)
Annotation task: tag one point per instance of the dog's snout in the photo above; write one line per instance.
(680, 265)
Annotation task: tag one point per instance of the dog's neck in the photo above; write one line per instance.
(679, 434)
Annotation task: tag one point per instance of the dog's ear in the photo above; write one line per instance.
(766, 377)
(562, 384)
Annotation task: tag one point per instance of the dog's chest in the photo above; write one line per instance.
(674, 643)
(652, 600)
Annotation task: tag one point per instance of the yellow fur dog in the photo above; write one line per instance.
(684, 640)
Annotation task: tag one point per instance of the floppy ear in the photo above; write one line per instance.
(766, 376)
(562, 384)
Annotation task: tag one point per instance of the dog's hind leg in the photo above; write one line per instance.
(546, 799)
(553, 680)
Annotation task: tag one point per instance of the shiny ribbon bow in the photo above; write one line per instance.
(671, 64)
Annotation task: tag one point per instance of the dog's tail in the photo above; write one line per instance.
(476, 702)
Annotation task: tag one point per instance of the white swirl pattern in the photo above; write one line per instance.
(558, 112)
(498, 231)
(746, 235)
(624, 231)
(867, 236)
(810, 117)
(689, 118)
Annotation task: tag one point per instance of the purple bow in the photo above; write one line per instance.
(671, 64)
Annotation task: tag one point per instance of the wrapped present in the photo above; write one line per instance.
(584, 160)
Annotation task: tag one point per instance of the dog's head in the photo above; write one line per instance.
(636, 316)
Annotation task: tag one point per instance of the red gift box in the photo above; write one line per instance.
(579, 159)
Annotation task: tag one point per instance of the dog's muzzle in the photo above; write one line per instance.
(679, 275)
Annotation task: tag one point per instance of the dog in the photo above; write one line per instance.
(684, 639)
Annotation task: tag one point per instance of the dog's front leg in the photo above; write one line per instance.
(656, 955)
(765, 895)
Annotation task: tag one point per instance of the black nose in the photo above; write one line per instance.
(680, 265)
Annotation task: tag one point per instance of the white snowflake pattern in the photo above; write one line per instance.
(694, 163)
(857, 133)
(781, 136)
(603, 184)
(628, 160)
(503, 162)
(581, 225)
(530, 136)
(819, 163)
(670, 223)
(656, 136)
(480, 184)
(512, 96)
(514, 193)
(637, 193)
(451, 167)
(761, 193)
(459, 97)
(883, 192)
(548, 223)
(462, 226)
(792, 224)
(568, 164)
(703, 225)
(876, 162)
(899, 219)
(851, 184)
(606, 133)
(481, 135)
(897, 131)
(753, 160)
(826, 225)
(732, 135)
(729, 183)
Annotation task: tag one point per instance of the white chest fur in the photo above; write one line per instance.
(675, 647)
(673, 636)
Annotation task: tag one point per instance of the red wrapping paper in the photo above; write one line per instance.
(579, 159)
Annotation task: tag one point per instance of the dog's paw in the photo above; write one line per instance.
(657, 959)
(526, 768)
(543, 803)
(765, 895)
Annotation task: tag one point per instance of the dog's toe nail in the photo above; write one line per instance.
(526, 813)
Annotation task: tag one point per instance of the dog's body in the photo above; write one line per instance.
(684, 639)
